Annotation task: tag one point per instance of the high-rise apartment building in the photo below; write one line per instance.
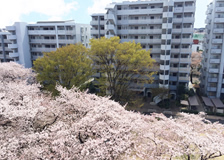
(4, 50)
(24, 42)
(164, 27)
(212, 80)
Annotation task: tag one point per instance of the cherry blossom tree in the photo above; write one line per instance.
(78, 125)
(196, 58)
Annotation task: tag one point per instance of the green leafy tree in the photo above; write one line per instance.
(67, 66)
(121, 65)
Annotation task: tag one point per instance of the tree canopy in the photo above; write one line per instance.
(67, 66)
(121, 65)
(78, 125)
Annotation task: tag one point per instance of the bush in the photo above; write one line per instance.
(164, 104)
(189, 111)
(215, 114)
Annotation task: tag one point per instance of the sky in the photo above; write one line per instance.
(31, 11)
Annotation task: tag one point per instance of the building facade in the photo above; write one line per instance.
(212, 83)
(4, 50)
(165, 27)
(198, 39)
(24, 42)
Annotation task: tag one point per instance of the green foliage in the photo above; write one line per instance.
(189, 111)
(216, 114)
(67, 66)
(121, 65)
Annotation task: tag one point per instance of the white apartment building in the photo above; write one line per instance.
(164, 27)
(4, 50)
(48, 36)
(212, 80)
(20, 51)
(24, 43)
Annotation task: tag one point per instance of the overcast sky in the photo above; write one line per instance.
(31, 11)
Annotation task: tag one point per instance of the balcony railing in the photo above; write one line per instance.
(42, 32)
(12, 46)
(183, 78)
(14, 55)
(43, 49)
(140, 11)
(146, 21)
(11, 37)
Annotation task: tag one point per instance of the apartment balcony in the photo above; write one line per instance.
(173, 87)
(102, 32)
(174, 60)
(218, 30)
(219, 20)
(187, 40)
(95, 31)
(164, 67)
(67, 32)
(167, 26)
(14, 55)
(35, 57)
(212, 79)
(67, 41)
(189, 9)
(184, 69)
(212, 89)
(164, 57)
(175, 50)
(143, 41)
(140, 31)
(163, 85)
(12, 46)
(219, 9)
(151, 85)
(173, 78)
(176, 40)
(166, 36)
(184, 20)
(186, 50)
(178, 9)
(188, 30)
(136, 87)
(163, 77)
(7, 41)
(10, 28)
(183, 78)
(94, 23)
(155, 50)
(109, 36)
(44, 32)
(43, 49)
(110, 27)
(167, 14)
(146, 21)
(177, 30)
(177, 20)
(185, 60)
(140, 11)
(165, 47)
(11, 37)
(110, 17)
(215, 60)
(222, 90)
(43, 41)
(216, 51)
(213, 70)
(217, 41)
(6, 49)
